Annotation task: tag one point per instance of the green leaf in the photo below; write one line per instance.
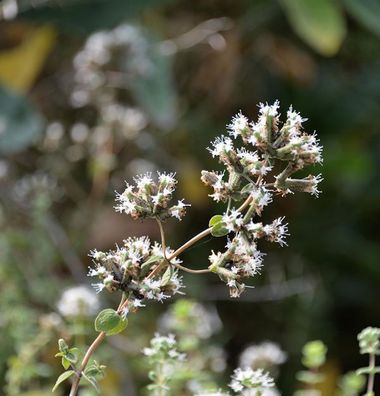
(65, 363)
(368, 370)
(219, 230)
(309, 377)
(167, 276)
(63, 347)
(110, 322)
(366, 12)
(94, 369)
(314, 354)
(92, 380)
(63, 377)
(20, 124)
(85, 16)
(145, 267)
(123, 323)
(214, 220)
(107, 320)
(71, 357)
(320, 23)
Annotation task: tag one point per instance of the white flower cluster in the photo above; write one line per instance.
(128, 269)
(242, 259)
(244, 380)
(270, 143)
(78, 301)
(163, 348)
(264, 355)
(250, 175)
(100, 49)
(149, 198)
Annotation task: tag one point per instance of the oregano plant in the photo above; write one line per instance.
(260, 161)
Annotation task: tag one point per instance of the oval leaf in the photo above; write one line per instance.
(107, 320)
(320, 23)
(219, 230)
(214, 220)
(123, 323)
(63, 377)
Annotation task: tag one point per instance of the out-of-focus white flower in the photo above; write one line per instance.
(77, 301)
(247, 379)
(266, 354)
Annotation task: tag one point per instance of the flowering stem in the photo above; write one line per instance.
(99, 339)
(371, 376)
(190, 242)
(203, 234)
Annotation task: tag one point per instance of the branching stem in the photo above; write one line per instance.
(99, 339)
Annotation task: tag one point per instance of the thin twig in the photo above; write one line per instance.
(99, 339)
(162, 233)
(191, 271)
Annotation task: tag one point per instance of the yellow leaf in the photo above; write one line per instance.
(320, 23)
(20, 66)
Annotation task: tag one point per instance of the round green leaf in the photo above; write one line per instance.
(123, 323)
(219, 230)
(107, 320)
(214, 220)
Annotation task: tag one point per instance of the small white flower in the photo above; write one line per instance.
(98, 287)
(233, 220)
(243, 379)
(125, 312)
(99, 270)
(221, 144)
(136, 303)
(315, 181)
(167, 178)
(143, 181)
(277, 231)
(238, 126)
(271, 110)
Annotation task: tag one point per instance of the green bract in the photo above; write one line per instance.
(369, 340)
(314, 354)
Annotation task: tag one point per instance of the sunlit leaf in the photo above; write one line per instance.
(219, 230)
(319, 23)
(20, 66)
(214, 220)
